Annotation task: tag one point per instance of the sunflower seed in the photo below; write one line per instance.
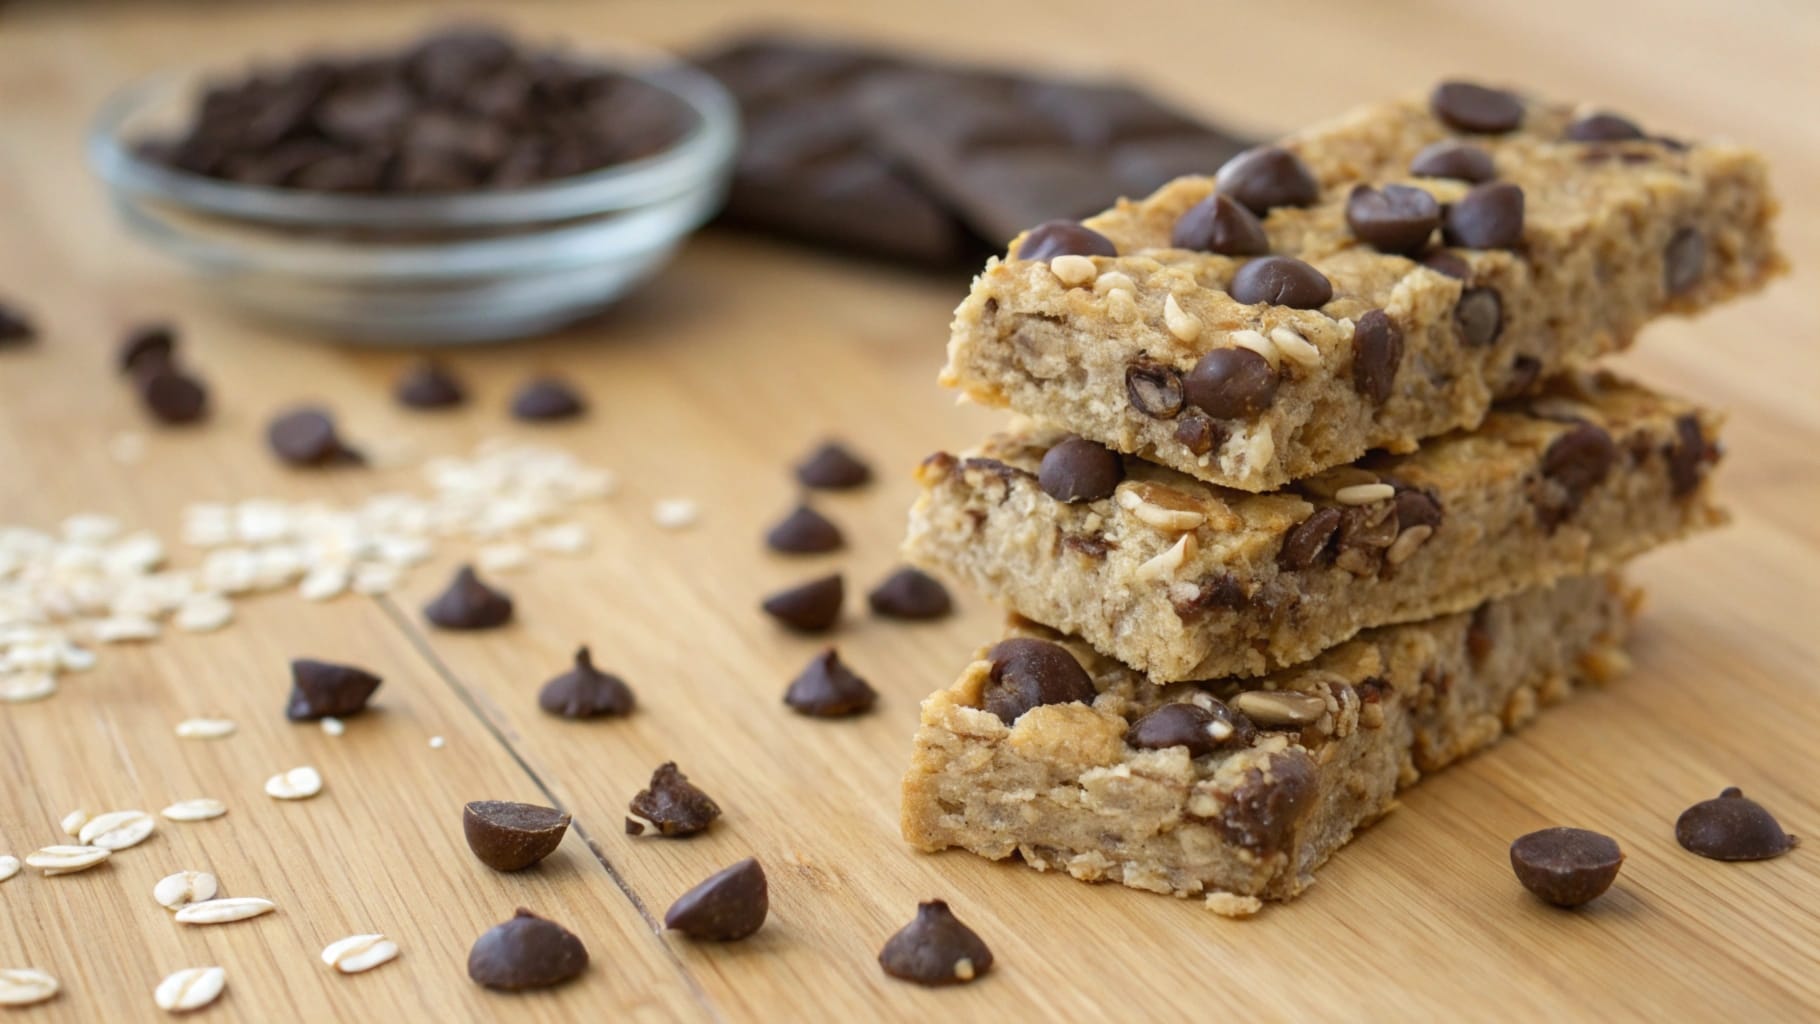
(237, 908)
(9, 866)
(21, 687)
(199, 809)
(174, 892)
(297, 784)
(23, 986)
(66, 860)
(358, 953)
(205, 728)
(72, 823)
(190, 989)
(117, 830)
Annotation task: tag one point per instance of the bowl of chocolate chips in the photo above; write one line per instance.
(462, 187)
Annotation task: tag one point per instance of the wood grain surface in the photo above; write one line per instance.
(705, 386)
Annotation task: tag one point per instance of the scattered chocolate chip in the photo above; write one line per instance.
(1684, 261)
(1028, 673)
(804, 532)
(586, 692)
(1478, 318)
(1490, 216)
(935, 949)
(1231, 383)
(730, 905)
(306, 437)
(1154, 389)
(509, 836)
(1466, 107)
(15, 328)
(1303, 544)
(1688, 456)
(672, 805)
(1266, 177)
(1451, 158)
(1567, 867)
(1220, 224)
(469, 604)
(833, 468)
(1578, 461)
(827, 688)
(172, 396)
(1603, 128)
(1201, 729)
(526, 952)
(1198, 434)
(429, 385)
(544, 399)
(323, 689)
(147, 346)
(1377, 352)
(1732, 827)
(1077, 470)
(1395, 218)
(1443, 262)
(1281, 281)
(910, 594)
(812, 607)
(1263, 811)
(1064, 238)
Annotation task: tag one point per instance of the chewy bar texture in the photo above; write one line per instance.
(1238, 789)
(1268, 324)
(1184, 580)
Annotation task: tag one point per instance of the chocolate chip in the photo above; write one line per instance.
(1578, 461)
(15, 328)
(1079, 470)
(1490, 216)
(1416, 508)
(1451, 158)
(1479, 641)
(526, 952)
(1154, 389)
(429, 385)
(672, 804)
(812, 607)
(547, 398)
(1683, 261)
(1064, 238)
(804, 532)
(172, 396)
(1466, 107)
(468, 604)
(833, 468)
(1524, 372)
(1395, 218)
(1567, 867)
(307, 437)
(730, 905)
(1478, 318)
(1231, 383)
(1198, 434)
(1688, 456)
(508, 836)
(1603, 128)
(323, 689)
(1365, 532)
(1028, 673)
(1201, 729)
(1443, 262)
(1304, 543)
(910, 594)
(1732, 827)
(827, 688)
(147, 346)
(1220, 224)
(1281, 281)
(1377, 353)
(935, 949)
(586, 692)
(1264, 810)
(1266, 177)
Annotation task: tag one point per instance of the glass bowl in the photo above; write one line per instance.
(423, 269)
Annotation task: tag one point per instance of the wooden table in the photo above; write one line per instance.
(705, 385)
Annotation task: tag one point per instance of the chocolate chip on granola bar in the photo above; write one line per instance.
(1443, 262)
(323, 689)
(469, 604)
(1154, 389)
(1732, 827)
(429, 385)
(1417, 508)
(1490, 216)
(1395, 218)
(1266, 177)
(1028, 673)
(1077, 470)
(811, 607)
(1479, 641)
(827, 688)
(832, 467)
(544, 399)
(146, 346)
(728, 906)
(16, 328)
(1263, 811)
(1567, 867)
(172, 396)
(1451, 158)
(1220, 224)
(1304, 543)
(1231, 383)
(1478, 318)
(1198, 434)
(1579, 460)
(910, 594)
(671, 804)
(1200, 729)
(1281, 281)
(509, 836)
(1377, 353)
(1466, 107)
(526, 952)
(804, 532)
(586, 692)
(1684, 260)
(1688, 456)
(306, 436)
(935, 949)
(1064, 238)
(1603, 127)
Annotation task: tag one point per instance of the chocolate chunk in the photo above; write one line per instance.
(468, 604)
(812, 607)
(1198, 434)
(1064, 238)
(1452, 158)
(1567, 867)
(910, 594)
(306, 437)
(15, 328)
(672, 805)
(1377, 353)
(1603, 128)
(1079, 470)
(1266, 177)
(1525, 371)
(1443, 262)
(1365, 532)
(804, 532)
(544, 399)
(1281, 281)
(1231, 383)
(1488, 217)
(1395, 218)
(1154, 389)
(1028, 673)
(1479, 641)
(586, 692)
(935, 949)
(1416, 508)
(1684, 261)
(1201, 729)
(1220, 224)
(827, 688)
(1688, 456)
(1264, 810)
(509, 836)
(1732, 827)
(172, 396)
(728, 906)
(1478, 318)
(526, 952)
(832, 467)
(1578, 461)
(1304, 543)
(429, 385)
(147, 346)
(323, 689)
(1466, 107)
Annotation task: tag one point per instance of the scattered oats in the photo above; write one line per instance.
(1181, 323)
(204, 613)
(680, 513)
(71, 658)
(190, 989)
(90, 529)
(562, 538)
(208, 526)
(358, 953)
(174, 892)
(297, 784)
(334, 726)
(117, 830)
(230, 570)
(323, 583)
(126, 447)
(9, 866)
(221, 911)
(66, 860)
(375, 578)
(1073, 269)
(72, 823)
(24, 986)
(1228, 904)
(125, 629)
(502, 557)
(1256, 342)
(205, 728)
(199, 809)
(21, 687)
(437, 742)
(403, 551)
(1295, 348)
(1364, 494)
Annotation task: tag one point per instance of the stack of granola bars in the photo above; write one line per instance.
(1316, 491)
